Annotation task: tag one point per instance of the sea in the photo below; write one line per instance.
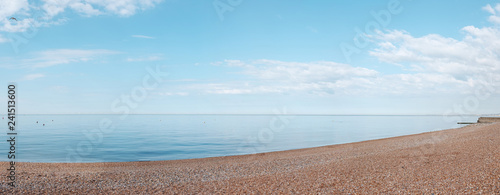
(123, 138)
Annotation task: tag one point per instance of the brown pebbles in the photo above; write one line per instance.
(454, 161)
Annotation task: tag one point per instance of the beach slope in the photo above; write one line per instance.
(454, 161)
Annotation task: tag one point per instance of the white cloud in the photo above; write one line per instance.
(475, 54)
(329, 78)
(494, 18)
(489, 9)
(442, 63)
(32, 77)
(54, 7)
(241, 88)
(431, 65)
(17, 9)
(85, 8)
(55, 57)
(305, 72)
(123, 8)
(10, 8)
(434, 65)
(142, 36)
(273, 76)
(324, 78)
(37, 14)
(65, 56)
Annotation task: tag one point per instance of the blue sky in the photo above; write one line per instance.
(416, 57)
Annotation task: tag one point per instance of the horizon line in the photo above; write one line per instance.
(298, 114)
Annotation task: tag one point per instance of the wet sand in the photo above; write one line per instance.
(455, 161)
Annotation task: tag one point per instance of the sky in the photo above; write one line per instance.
(251, 57)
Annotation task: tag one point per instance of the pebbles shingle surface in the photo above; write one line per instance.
(455, 161)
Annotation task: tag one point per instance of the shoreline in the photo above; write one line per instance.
(465, 125)
(407, 163)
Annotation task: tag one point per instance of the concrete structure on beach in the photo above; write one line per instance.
(482, 120)
(488, 119)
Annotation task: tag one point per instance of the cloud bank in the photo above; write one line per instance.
(48, 58)
(31, 14)
(431, 64)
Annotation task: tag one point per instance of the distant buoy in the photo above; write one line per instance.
(43, 124)
(36, 121)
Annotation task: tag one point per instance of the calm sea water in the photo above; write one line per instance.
(77, 138)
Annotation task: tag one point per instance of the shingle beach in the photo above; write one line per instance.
(455, 161)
